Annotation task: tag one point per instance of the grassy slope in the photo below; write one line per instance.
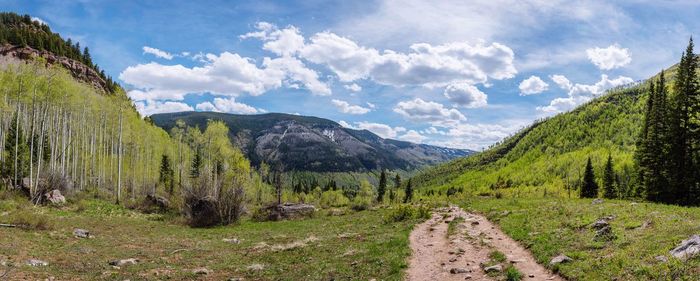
(644, 231)
(372, 249)
(544, 154)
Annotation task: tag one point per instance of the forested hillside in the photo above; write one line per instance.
(551, 154)
(52, 126)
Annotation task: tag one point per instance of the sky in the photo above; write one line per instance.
(461, 74)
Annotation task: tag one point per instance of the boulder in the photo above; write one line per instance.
(458, 270)
(687, 249)
(232, 240)
(203, 213)
(493, 268)
(605, 233)
(36, 262)
(560, 259)
(81, 233)
(599, 224)
(286, 211)
(157, 201)
(55, 197)
(201, 271)
(597, 201)
(124, 262)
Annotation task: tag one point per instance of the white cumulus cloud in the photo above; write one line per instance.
(229, 105)
(581, 93)
(609, 58)
(533, 85)
(382, 130)
(227, 74)
(413, 136)
(150, 107)
(345, 107)
(158, 53)
(431, 112)
(465, 95)
(353, 87)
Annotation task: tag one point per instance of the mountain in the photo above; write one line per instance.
(550, 154)
(305, 143)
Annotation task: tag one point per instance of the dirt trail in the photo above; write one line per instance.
(435, 255)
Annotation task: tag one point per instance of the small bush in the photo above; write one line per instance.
(402, 213)
(407, 212)
(512, 274)
(333, 199)
(497, 256)
(28, 220)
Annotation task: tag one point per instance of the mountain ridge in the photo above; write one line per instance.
(314, 144)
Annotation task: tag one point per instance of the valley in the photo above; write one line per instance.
(180, 169)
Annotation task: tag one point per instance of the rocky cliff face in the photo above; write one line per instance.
(304, 143)
(76, 68)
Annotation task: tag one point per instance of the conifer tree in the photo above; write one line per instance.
(681, 171)
(409, 192)
(16, 165)
(382, 186)
(589, 189)
(167, 174)
(196, 164)
(609, 187)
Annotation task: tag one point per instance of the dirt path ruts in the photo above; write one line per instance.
(435, 254)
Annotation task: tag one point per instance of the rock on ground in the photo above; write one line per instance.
(688, 248)
(36, 262)
(560, 259)
(81, 233)
(55, 197)
(123, 262)
(493, 268)
(201, 271)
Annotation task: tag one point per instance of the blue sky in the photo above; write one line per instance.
(440, 72)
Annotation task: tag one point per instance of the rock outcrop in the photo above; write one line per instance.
(79, 70)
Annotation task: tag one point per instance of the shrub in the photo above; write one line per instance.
(407, 212)
(204, 209)
(333, 199)
(402, 213)
(512, 274)
(28, 220)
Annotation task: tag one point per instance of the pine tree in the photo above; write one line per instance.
(589, 189)
(196, 164)
(609, 187)
(409, 192)
(167, 174)
(382, 186)
(16, 154)
(397, 181)
(681, 171)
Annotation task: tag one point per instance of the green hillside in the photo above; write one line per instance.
(549, 155)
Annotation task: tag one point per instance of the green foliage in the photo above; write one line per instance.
(364, 198)
(166, 174)
(512, 274)
(333, 198)
(497, 256)
(405, 212)
(16, 158)
(382, 186)
(24, 32)
(408, 193)
(589, 187)
(609, 187)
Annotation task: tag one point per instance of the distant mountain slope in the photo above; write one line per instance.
(306, 143)
(553, 152)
